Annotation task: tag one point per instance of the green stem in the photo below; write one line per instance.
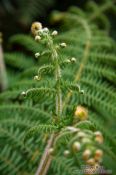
(57, 77)
(46, 159)
(59, 93)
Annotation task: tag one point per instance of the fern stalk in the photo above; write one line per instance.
(54, 56)
(46, 159)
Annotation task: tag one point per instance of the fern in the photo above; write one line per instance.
(94, 71)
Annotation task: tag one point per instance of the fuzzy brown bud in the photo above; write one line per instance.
(76, 146)
(81, 113)
(66, 153)
(86, 154)
(35, 27)
(98, 154)
(51, 150)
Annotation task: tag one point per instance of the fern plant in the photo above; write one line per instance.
(61, 124)
(97, 78)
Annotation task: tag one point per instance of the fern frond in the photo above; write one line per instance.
(25, 41)
(18, 60)
(40, 128)
(45, 69)
(35, 92)
(64, 166)
(23, 112)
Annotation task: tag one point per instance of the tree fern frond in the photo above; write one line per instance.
(35, 92)
(18, 60)
(10, 96)
(26, 41)
(85, 125)
(23, 112)
(64, 166)
(45, 69)
(40, 128)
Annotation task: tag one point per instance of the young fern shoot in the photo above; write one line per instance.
(80, 133)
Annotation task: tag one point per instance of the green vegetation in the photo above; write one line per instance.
(39, 107)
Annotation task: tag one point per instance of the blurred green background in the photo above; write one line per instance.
(16, 16)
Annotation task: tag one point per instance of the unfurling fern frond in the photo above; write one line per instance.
(80, 137)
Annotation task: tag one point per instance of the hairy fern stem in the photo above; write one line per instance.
(57, 73)
(46, 159)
